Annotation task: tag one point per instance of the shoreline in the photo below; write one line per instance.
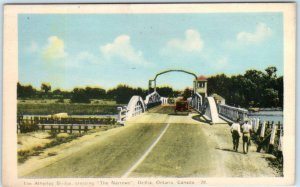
(254, 109)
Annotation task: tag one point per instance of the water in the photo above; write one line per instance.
(268, 116)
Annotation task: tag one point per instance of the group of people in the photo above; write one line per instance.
(239, 129)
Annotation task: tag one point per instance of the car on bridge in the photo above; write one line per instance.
(181, 106)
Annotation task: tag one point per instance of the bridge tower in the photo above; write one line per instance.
(200, 86)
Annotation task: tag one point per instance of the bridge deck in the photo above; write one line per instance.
(187, 148)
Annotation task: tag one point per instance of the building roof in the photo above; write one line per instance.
(201, 78)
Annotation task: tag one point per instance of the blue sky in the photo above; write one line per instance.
(105, 50)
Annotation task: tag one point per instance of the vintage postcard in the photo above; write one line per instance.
(149, 94)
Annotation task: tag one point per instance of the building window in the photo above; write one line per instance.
(201, 84)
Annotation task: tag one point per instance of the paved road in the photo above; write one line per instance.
(156, 143)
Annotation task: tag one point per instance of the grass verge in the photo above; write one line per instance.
(55, 139)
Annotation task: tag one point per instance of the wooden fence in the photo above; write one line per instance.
(268, 135)
(68, 125)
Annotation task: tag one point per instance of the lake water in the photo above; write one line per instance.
(268, 116)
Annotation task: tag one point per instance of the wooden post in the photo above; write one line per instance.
(272, 138)
(79, 128)
(43, 127)
(58, 128)
(262, 131)
(65, 128)
(71, 128)
(51, 127)
(85, 128)
(257, 122)
(280, 141)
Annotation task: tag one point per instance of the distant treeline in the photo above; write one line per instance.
(121, 94)
(253, 89)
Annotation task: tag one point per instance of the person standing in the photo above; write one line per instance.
(236, 133)
(246, 131)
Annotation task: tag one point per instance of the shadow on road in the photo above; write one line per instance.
(228, 150)
(179, 114)
(200, 118)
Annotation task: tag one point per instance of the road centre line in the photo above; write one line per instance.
(136, 164)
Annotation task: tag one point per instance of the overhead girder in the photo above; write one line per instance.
(167, 71)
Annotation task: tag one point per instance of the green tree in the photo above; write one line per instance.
(45, 87)
(271, 71)
(25, 91)
(165, 91)
(95, 93)
(79, 95)
(187, 93)
(271, 98)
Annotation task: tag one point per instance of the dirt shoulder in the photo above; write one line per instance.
(236, 164)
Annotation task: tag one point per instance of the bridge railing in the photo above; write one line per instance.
(122, 114)
(152, 100)
(137, 110)
(232, 113)
(196, 102)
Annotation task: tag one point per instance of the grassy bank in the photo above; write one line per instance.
(34, 143)
(47, 107)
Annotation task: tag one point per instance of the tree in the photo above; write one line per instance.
(79, 95)
(25, 91)
(270, 97)
(187, 93)
(271, 71)
(95, 93)
(46, 87)
(165, 91)
(122, 93)
(253, 89)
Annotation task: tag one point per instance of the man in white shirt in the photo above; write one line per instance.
(246, 130)
(236, 133)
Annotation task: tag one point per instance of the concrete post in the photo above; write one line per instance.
(262, 132)
(273, 133)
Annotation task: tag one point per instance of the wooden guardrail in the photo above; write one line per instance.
(268, 135)
(67, 124)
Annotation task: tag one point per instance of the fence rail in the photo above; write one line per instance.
(67, 124)
(232, 113)
(268, 135)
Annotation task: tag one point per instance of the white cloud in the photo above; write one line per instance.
(33, 47)
(192, 42)
(86, 56)
(122, 48)
(55, 49)
(261, 32)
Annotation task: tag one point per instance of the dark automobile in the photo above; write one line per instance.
(181, 106)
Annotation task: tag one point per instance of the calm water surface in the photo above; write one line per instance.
(268, 116)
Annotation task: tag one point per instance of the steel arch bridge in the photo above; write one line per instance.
(168, 71)
(201, 103)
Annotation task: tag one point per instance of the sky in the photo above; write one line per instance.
(104, 50)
